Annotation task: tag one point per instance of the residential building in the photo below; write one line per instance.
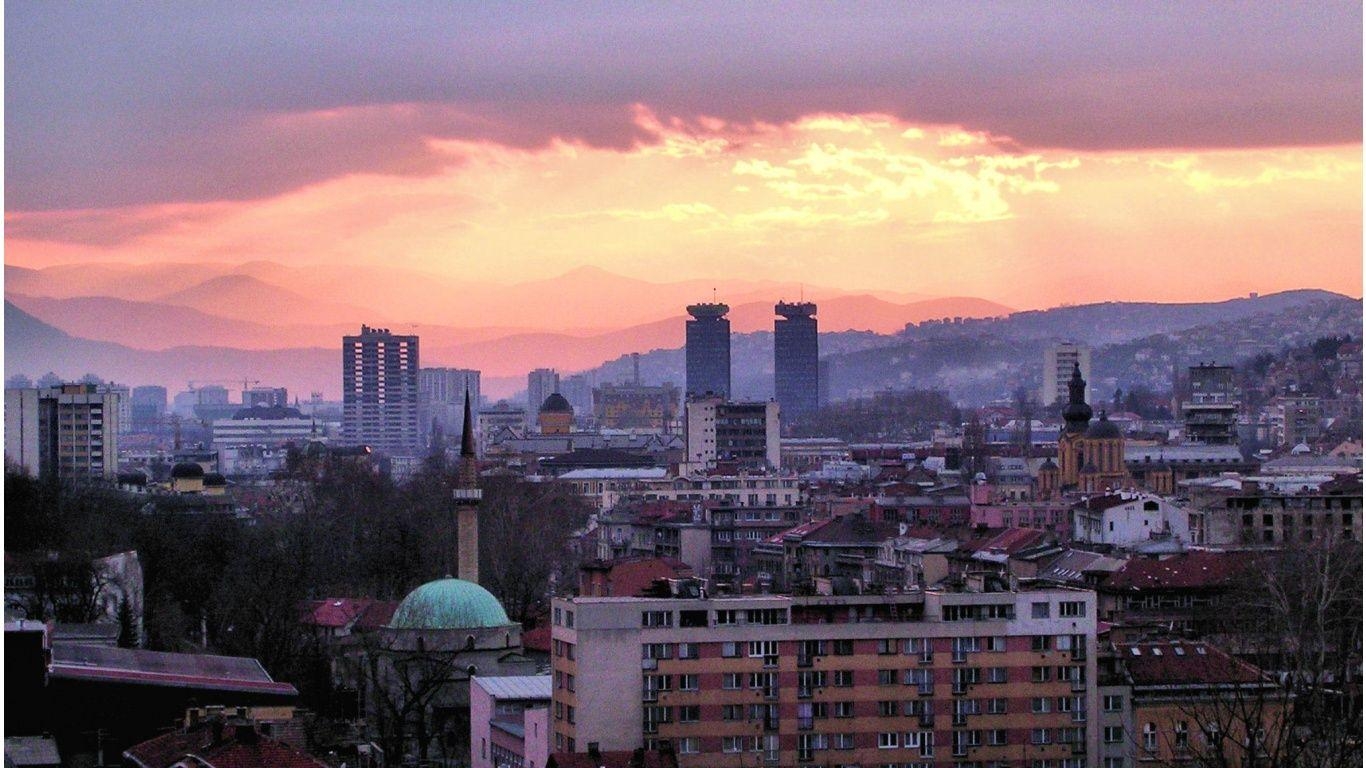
(1211, 413)
(914, 678)
(510, 721)
(707, 351)
(743, 434)
(147, 407)
(1124, 519)
(265, 397)
(67, 431)
(379, 392)
(441, 398)
(1058, 362)
(540, 384)
(796, 359)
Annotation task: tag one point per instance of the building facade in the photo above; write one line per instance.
(540, 384)
(746, 434)
(1211, 412)
(796, 359)
(379, 392)
(917, 679)
(707, 352)
(1058, 362)
(68, 431)
(441, 398)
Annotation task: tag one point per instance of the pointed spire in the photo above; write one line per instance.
(467, 432)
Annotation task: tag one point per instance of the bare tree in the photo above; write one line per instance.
(525, 531)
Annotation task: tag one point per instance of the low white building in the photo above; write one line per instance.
(1129, 519)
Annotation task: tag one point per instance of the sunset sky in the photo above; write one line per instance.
(1028, 153)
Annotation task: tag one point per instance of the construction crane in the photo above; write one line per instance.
(244, 381)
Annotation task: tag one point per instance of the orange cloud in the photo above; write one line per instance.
(844, 200)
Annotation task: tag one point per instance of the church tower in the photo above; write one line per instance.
(1077, 416)
(467, 496)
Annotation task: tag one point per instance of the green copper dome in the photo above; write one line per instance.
(449, 604)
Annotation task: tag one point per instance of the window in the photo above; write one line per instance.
(762, 648)
(689, 745)
(996, 706)
(997, 737)
(1039, 705)
(656, 619)
(732, 743)
(842, 741)
(1113, 703)
(730, 681)
(732, 712)
(886, 677)
(1039, 736)
(1041, 674)
(1182, 735)
(996, 675)
(996, 644)
(725, 617)
(922, 679)
(888, 740)
(844, 678)
(886, 646)
(687, 682)
(844, 647)
(689, 651)
(844, 709)
(1114, 762)
(656, 651)
(730, 650)
(887, 709)
(922, 647)
(1114, 734)
(1038, 610)
(1150, 737)
(1041, 642)
(1071, 609)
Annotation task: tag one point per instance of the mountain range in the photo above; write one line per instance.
(172, 323)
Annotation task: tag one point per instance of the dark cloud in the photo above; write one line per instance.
(123, 104)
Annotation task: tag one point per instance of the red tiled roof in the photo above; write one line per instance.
(341, 612)
(1012, 540)
(377, 614)
(801, 531)
(1183, 663)
(537, 639)
(1190, 570)
(630, 578)
(259, 752)
(1102, 503)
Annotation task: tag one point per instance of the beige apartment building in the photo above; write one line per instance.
(937, 678)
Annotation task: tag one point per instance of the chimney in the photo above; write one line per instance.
(467, 496)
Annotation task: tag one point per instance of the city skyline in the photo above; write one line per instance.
(874, 148)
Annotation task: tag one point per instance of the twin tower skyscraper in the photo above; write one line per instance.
(796, 355)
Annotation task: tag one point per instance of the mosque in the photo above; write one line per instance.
(441, 635)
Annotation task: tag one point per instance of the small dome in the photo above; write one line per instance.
(215, 479)
(1103, 429)
(1048, 463)
(449, 604)
(186, 470)
(1300, 449)
(556, 404)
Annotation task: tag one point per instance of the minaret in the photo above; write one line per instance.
(467, 496)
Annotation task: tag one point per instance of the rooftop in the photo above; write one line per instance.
(515, 687)
(173, 670)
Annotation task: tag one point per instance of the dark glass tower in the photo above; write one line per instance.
(708, 350)
(796, 359)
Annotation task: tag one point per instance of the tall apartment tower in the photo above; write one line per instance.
(796, 359)
(540, 384)
(708, 351)
(1211, 413)
(68, 431)
(379, 392)
(1058, 361)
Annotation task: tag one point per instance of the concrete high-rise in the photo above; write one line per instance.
(1211, 412)
(441, 395)
(1058, 361)
(540, 384)
(379, 392)
(796, 359)
(69, 431)
(708, 351)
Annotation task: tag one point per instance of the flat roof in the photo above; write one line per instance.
(516, 686)
(172, 670)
